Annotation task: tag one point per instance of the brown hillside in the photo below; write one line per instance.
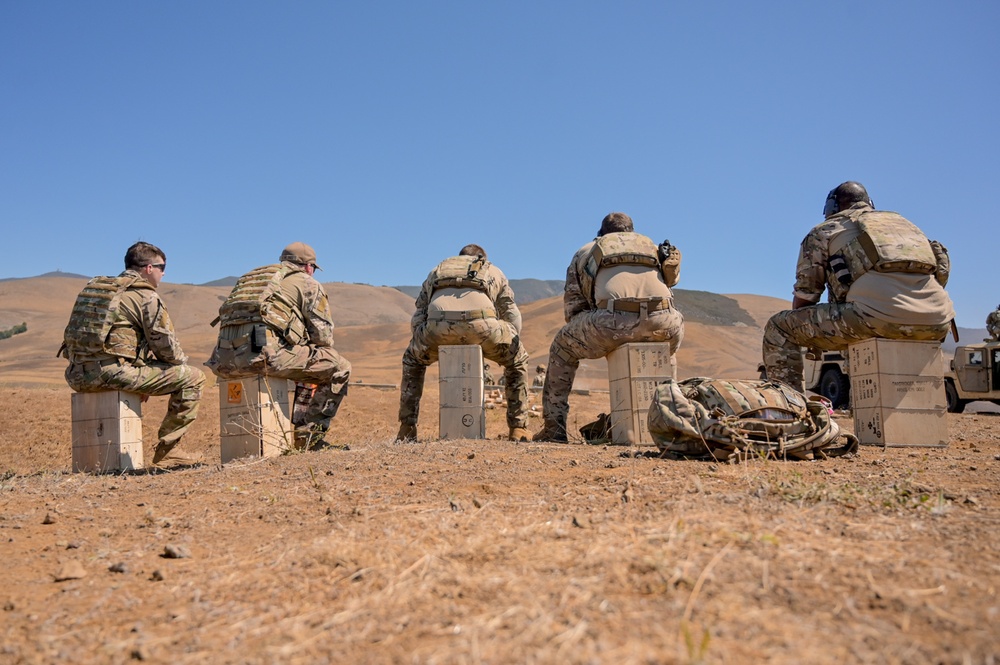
(372, 330)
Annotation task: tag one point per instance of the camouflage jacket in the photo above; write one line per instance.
(575, 296)
(813, 275)
(495, 286)
(312, 303)
(143, 313)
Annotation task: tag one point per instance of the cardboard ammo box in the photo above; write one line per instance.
(255, 417)
(634, 370)
(462, 415)
(107, 431)
(897, 393)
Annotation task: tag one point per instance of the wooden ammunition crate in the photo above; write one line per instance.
(255, 417)
(462, 415)
(897, 393)
(107, 431)
(634, 370)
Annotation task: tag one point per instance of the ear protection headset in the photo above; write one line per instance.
(831, 207)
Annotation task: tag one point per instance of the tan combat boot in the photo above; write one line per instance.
(407, 432)
(518, 434)
(166, 457)
(550, 435)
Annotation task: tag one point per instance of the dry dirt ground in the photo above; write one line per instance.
(493, 552)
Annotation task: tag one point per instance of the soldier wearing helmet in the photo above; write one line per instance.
(884, 279)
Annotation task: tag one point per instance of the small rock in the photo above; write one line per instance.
(8, 606)
(471, 456)
(176, 552)
(71, 570)
(49, 519)
(119, 567)
(157, 576)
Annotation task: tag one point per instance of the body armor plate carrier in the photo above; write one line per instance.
(94, 315)
(462, 272)
(257, 298)
(887, 243)
(614, 249)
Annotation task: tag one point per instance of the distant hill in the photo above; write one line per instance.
(55, 273)
(225, 281)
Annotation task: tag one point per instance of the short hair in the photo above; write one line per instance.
(849, 193)
(142, 254)
(472, 250)
(616, 222)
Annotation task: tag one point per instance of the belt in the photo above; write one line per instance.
(100, 362)
(635, 305)
(462, 316)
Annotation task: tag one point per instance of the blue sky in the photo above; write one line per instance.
(389, 134)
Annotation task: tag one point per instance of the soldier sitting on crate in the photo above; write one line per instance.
(120, 337)
(466, 300)
(617, 291)
(277, 323)
(885, 279)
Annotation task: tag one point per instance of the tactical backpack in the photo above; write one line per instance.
(94, 314)
(733, 418)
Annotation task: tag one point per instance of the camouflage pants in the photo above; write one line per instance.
(321, 365)
(827, 327)
(182, 382)
(500, 343)
(595, 334)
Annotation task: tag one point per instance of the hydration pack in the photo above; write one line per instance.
(887, 242)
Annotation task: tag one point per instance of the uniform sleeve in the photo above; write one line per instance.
(419, 317)
(158, 329)
(574, 300)
(943, 263)
(504, 299)
(810, 271)
(317, 314)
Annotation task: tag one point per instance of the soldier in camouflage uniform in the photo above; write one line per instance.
(617, 291)
(277, 322)
(466, 300)
(993, 323)
(885, 279)
(120, 337)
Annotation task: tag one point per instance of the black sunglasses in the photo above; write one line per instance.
(161, 266)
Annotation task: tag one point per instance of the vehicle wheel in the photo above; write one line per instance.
(955, 405)
(834, 386)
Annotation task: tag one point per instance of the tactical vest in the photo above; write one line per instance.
(95, 328)
(616, 249)
(257, 298)
(462, 272)
(887, 242)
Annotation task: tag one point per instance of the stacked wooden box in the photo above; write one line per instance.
(255, 417)
(634, 370)
(897, 393)
(462, 415)
(107, 431)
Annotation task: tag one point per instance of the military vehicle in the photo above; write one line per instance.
(974, 375)
(827, 376)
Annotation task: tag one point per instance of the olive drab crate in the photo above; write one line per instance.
(107, 431)
(897, 393)
(634, 370)
(462, 415)
(255, 417)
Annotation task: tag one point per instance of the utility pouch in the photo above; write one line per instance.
(258, 338)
